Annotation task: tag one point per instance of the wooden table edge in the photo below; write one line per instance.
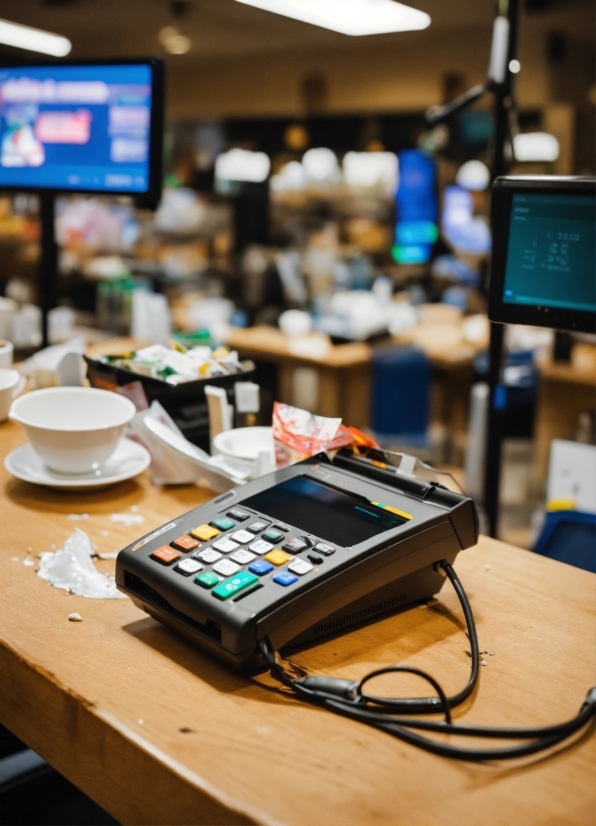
(194, 799)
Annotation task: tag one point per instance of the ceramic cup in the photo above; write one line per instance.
(73, 429)
(247, 449)
(11, 384)
(6, 353)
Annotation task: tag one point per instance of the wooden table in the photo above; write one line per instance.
(344, 375)
(156, 732)
(342, 371)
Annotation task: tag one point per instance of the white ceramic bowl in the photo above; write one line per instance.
(73, 429)
(243, 448)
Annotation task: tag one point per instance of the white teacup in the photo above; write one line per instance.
(73, 429)
(11, 384)
(6, 354)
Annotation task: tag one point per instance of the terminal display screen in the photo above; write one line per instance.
(550, 258)
(76, 127)
(323, 511)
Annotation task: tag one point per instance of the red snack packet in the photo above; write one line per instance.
(298, 434)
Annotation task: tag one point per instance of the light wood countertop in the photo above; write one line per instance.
(157, 732)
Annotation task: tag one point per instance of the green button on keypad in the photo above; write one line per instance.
(207, 579)
(231, 586)
(223, 523)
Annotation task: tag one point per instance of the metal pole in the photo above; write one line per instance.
(503, 103)
(47, 277)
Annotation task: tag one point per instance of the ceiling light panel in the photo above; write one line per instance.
(34, 40)
(353, 17)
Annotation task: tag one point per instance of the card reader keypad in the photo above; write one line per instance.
(242, 558)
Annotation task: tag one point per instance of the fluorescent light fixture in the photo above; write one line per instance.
(34, 40)
(353, 17)
(242, 165)
(535, 146)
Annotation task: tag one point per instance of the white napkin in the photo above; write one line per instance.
(175, 460)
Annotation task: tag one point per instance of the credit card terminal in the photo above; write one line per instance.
(300, 553)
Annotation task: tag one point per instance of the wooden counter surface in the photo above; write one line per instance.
(157, 732)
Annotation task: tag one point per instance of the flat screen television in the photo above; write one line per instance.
(544, 252)
(83, 127)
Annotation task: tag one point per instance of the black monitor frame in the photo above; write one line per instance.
(152, 195)
(502, 197)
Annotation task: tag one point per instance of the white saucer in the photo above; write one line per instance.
(128, 460)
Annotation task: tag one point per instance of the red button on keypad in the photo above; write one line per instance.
(165, 555)
(185, 543)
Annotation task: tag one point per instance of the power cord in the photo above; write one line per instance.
(348, 698)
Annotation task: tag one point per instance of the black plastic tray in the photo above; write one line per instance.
(186, 403)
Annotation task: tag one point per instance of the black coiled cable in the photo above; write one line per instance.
(348, 698)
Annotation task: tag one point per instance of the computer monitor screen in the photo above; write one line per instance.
(82, 127)
(550, 260)
(544, 252)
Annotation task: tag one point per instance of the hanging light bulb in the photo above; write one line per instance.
(174, 42)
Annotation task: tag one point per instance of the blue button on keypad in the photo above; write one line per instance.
(260, 567)
(284, 578)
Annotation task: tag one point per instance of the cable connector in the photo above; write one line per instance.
(590, 699)
(330, 685)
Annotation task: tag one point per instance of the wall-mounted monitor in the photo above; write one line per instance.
(83, 127)
(544, 252)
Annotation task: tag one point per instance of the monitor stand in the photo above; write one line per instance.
(47, 276)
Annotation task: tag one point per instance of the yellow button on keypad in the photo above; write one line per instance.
(277, 557)
(204, 532)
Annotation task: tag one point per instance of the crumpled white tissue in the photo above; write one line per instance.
(72, 569)
(175, 460)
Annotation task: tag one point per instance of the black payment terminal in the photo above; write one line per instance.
(302, 552)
